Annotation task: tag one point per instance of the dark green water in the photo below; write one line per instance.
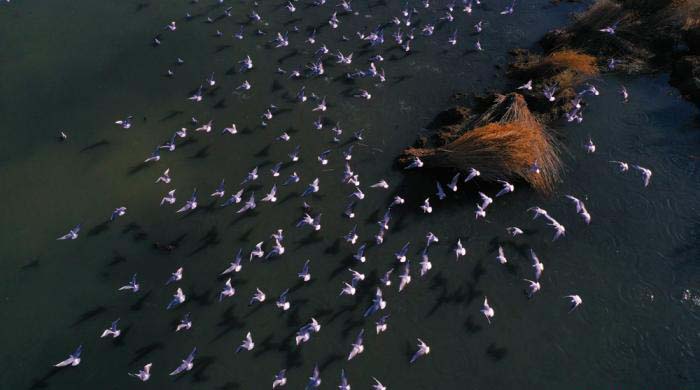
(80, 65)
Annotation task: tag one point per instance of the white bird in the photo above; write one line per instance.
(401, 254)
(314, 325)
(378, 303)
(397, 201)
(356, 276)
(168, 198)
(133, 285)
(220, 190)
(589, 146)
(235, 265)
(185, 323)
(485, 200)
(416, 163)
(360, 254)
(575, 301)
(165, 177)
(610, 29)
(538, 211)
(405, 277)
(258, 296)
(271, 196)
(646, 174)
(257, 252)
(453, 183)
(321, 106)
(227, 291)
(312, 188)
(580, 208)
(280, 378)
(431, 238)
(472, 174)
(344, 385)
(348, 289)
(380, 184)
(144, 374)
(249, 204)
(514, 231)
(187, 364)
(386, 278)
(190, 204)
(378, 385)
(427, 209)
(536, 264)
(230, 130)
(487, 310)
(532, 287)
(305, 275)
(247, 343)
(425, 264)
(507, 188)
(381, 325)
(440, 192)
(423, 349)
(125, 123)
(622, 166)
(175, 276)
(501, 256)
(72, 234)
(559, 229)
(314, 379)
(357, 346)
(251, 176)
(282, 301)
(197, 97)
(480, 212)
(460, 250)
(73, 358)
(527, 86)
(112, 330)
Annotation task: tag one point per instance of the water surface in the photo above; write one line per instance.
(80, 65)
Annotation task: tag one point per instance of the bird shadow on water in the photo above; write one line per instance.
(330, 360)
(30, 265)
(229, 322)
(145, 351)
(211, 238)
(137, 168)
(138, 305)
(104, 226)
(496, 353)
(470, 326)
(229, 386)
(201, 153)
(117, 258)
(42, 382)
(88, 315)
(95, 145)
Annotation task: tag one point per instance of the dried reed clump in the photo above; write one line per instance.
(567, 68)
(506, 143)
(583, 64)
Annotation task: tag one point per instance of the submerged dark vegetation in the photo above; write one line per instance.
(505, 135)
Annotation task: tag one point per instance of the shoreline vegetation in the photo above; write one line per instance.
(505, 135)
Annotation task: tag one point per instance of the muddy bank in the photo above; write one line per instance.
(631, 36)
(637, 36)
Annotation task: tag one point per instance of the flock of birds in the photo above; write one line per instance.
(245, 200)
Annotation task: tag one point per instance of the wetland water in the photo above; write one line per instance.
(80, 65)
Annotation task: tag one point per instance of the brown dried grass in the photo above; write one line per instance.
(506, 143)
(574, 61)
